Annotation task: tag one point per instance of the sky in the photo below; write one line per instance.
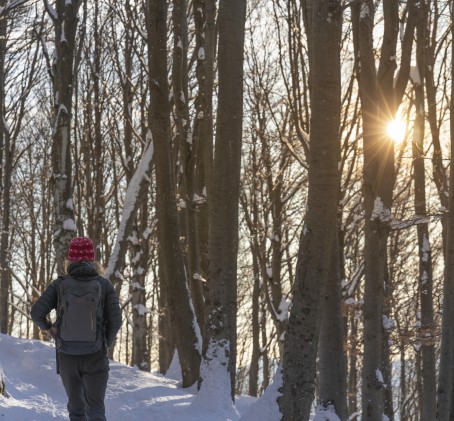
(36, 393)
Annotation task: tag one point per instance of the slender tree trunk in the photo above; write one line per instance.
(332, 371)
(184, 322)
(204, 19)
(446, 368)
(380, 96)
(186, 155)
(426, 332)
(316, 242)
(221, 303)
(5, 184)
(65, 22)
(255, 355)
(140, 257)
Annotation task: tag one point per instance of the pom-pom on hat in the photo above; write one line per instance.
(81, 249)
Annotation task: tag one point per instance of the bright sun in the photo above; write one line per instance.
(396, 130)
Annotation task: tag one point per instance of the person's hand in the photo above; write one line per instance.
(52, 332)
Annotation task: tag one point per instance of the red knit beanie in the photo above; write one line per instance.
(81, 248)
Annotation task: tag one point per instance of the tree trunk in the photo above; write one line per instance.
(140, 257)
(204, 19)
(186, 155)
(5, 184)
(182, 314)
(332, 371)
(65, 22)
(255, 354)
(426, 332)
(220, 322)
(446, 368)
(316, 242)
(380, 96)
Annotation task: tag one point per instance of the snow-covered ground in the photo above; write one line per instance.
(36, 392)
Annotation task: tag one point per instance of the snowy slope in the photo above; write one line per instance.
(36, 393)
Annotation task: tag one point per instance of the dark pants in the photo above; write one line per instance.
(85, 380)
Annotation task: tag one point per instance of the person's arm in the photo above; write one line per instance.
(112, 314)
(45, 304)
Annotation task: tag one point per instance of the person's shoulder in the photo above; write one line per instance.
(56, 282)
(105, 283)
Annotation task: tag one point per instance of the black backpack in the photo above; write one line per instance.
(80, 316)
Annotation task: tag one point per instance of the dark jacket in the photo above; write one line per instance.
(81, 271)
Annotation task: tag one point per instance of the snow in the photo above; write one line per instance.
(36, 393)
(69, 225)
(365, 12)
(141, 309)
(266, 408)
(326, 414)
(131, 196)
(414, 75)
(425, 249)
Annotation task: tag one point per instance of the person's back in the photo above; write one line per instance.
(88, 319)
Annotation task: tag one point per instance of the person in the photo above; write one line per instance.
(83, 365)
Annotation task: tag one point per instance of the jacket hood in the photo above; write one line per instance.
(82, 271)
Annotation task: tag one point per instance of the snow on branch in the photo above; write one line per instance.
(51, 11)
(131, 196)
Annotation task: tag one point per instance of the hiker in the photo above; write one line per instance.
(88, 319)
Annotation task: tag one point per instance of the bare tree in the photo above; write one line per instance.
(174, 271)
(220, 323)
(65, 19)
(316, 241)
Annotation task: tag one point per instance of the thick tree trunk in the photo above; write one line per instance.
(316, 242)
(184, 322)
(221, 307)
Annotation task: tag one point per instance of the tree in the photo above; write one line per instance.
(65, 20)
(380, 96)
(219, 357)
(179, 300)
(446, 377)
(316, 241)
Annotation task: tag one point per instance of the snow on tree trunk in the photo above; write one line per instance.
(221, 301)
(187, 154)
(320, 227)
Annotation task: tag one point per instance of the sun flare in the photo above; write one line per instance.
(396, 130)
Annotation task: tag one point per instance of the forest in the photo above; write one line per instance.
(267, 184)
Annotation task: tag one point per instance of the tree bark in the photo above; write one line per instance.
(332, 371)
(184, 322)
(65, 23)
(426, 331)
(221, 307)
(316, 241)
(5, 183)
(446, 377)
